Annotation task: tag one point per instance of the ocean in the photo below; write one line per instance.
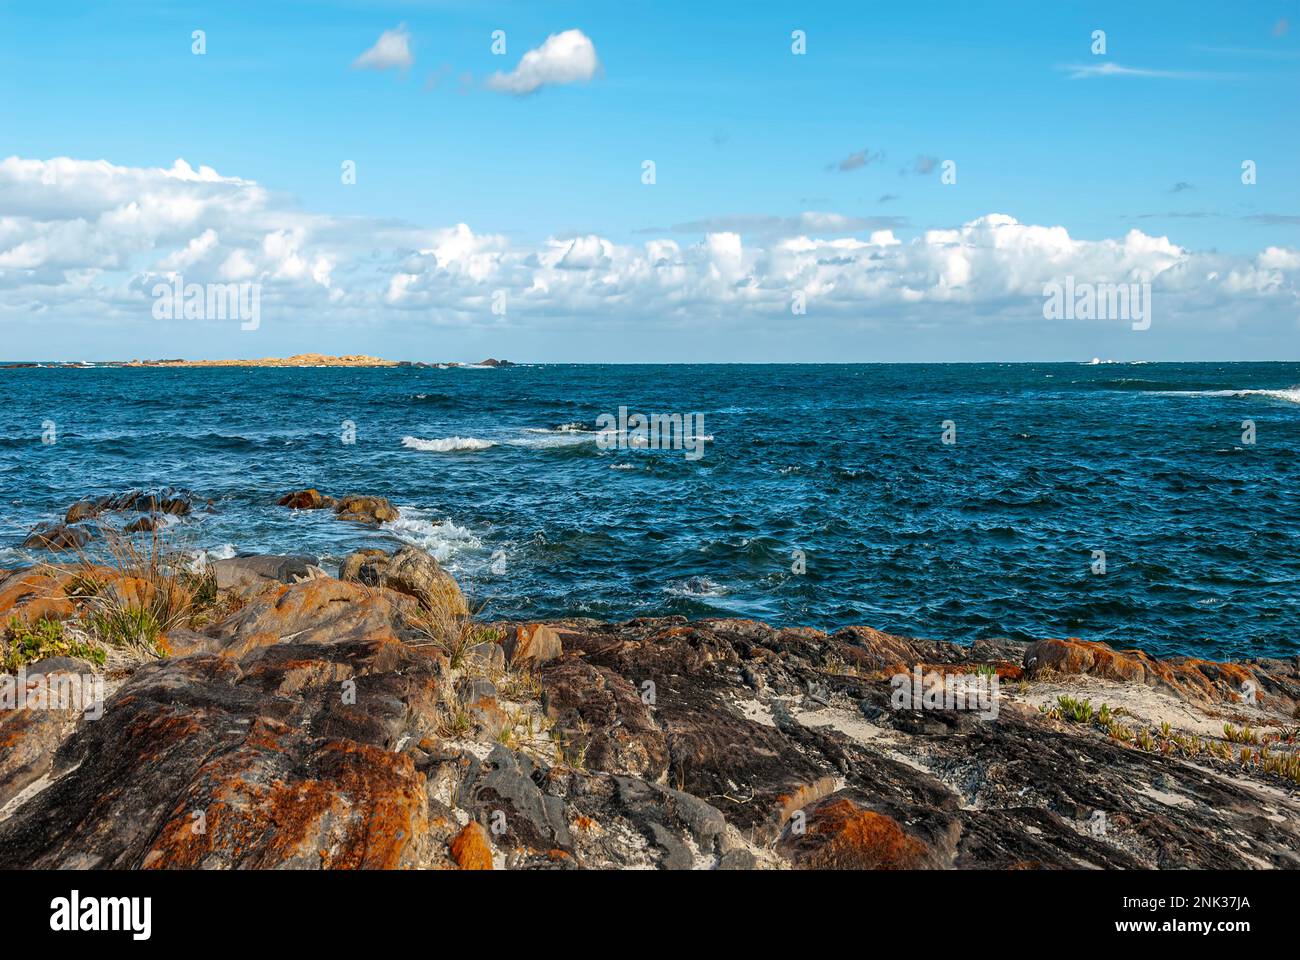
(818, 495)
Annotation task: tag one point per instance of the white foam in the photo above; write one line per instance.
(442, 538)
(447, 444)
(200, 559)
(552, 439)
(696, 587)
(1291, 395)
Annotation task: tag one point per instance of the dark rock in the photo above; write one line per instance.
(309, 729)
(82, 510)
(235, 572)
(310, 499)
(57, 536)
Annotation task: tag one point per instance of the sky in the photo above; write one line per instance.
(830, 182)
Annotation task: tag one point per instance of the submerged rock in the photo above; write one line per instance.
(310, 499)
(354, 507)
(375, 510)
(170, 501)
(57, 536)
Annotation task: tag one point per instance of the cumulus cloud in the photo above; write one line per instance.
(568, 57)
(810, 221)
(89, 239)
(392, 51)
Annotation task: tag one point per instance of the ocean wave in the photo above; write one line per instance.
(696, 587)
(447, 444)
(1291, 395)
(549, 439)
(442, 538)
(200, 559)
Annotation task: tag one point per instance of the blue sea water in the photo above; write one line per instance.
(991, 536)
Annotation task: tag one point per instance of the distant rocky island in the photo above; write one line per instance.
(297, 360)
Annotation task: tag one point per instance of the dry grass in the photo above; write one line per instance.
(133, 589)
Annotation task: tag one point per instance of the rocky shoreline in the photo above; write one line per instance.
(283, 717)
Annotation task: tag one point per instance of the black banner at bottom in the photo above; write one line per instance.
(338, 909)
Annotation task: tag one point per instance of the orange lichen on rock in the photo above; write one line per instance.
(534, 642)
(1188, 677)
(33, 594)
(359, 807)
(802, 797)
(847, 837)
(470, 848)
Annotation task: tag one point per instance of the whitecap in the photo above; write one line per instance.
(696, 587)
(447, 444)
(1291, 395)
(443, 539)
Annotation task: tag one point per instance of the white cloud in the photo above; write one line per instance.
(1111, 69)
(568, 57)
(391, 51)
(88, 239)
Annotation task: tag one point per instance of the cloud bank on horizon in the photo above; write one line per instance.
(85, 238)
(93, 236)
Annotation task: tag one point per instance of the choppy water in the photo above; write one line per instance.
(992, 536)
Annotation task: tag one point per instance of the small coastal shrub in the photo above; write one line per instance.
(452, 719)
(1243, 735)
(136, 589)
(450, 632)
(520, 683)
(1075, 711)
(22, 644)
(82, 585)
(127, 627)
(1282, 764)
(1119, 732)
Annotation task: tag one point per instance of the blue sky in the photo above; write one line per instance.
(745, 136)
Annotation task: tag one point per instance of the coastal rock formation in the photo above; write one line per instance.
(354, 507)
(534, 642)
(177, 503)
(1189, 677)
(361, 509)
(408, 570)
(313, 722)
(310, 499)
(251, 573)
(79, 527)
(57, 536)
